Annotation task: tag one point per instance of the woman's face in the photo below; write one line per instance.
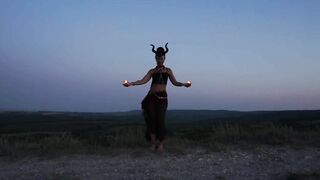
(160, 59)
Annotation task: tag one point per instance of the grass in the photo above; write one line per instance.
(59, 133)
(102, 139)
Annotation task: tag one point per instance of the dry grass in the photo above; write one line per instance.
(214, 137)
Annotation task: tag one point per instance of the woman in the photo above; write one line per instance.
(155, 104)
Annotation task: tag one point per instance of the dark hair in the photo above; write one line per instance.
(160, 50)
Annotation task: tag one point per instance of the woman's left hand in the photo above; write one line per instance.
(187, 85)
(126, 84)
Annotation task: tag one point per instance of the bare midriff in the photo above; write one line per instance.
(158, 87)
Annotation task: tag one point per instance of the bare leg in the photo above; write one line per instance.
(153, 141)
(160, 123)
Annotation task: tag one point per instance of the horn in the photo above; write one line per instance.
(166, 48)
(153, 48)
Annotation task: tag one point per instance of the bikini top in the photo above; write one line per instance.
(160, 75)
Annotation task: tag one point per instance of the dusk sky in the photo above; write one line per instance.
(245, 55)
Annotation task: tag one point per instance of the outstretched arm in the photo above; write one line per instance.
(144, 80)
(174, 81)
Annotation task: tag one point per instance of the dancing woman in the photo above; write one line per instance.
(154, 105)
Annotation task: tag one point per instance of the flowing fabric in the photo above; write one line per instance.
(154, 107)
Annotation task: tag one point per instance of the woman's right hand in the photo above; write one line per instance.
(125, 83)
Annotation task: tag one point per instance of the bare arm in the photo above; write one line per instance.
(173, 79)
(144, 80)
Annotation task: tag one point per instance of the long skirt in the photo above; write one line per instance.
(154, 107)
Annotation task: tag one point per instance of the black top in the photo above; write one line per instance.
(160, 77)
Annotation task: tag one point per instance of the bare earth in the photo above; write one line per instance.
(260, 163)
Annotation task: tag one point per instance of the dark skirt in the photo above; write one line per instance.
(154, 107)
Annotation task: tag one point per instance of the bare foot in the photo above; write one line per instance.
(160, 148)
(154, 146)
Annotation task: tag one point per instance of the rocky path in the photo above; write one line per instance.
(259, 163)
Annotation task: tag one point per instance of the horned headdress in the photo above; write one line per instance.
(160, 50)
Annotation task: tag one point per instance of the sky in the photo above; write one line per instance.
(245, 55)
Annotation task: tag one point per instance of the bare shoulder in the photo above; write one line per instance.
(151, 71)
(168, 70)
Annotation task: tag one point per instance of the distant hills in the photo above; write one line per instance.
(174, 116)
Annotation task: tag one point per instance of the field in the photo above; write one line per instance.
(60, 132)
(228, 136)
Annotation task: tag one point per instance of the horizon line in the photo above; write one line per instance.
(59, 111)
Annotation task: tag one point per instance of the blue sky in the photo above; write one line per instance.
(240, 55)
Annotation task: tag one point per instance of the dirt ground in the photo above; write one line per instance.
(262, 162)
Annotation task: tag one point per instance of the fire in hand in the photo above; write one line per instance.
(125, 83)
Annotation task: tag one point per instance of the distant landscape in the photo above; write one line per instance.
(69, 132)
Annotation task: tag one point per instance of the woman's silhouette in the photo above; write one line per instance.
(154, 105)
